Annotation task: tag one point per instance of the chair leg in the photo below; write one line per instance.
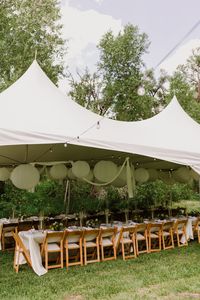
(134, 247)
(3, 242)
(198, 234)
(85, 254)
(46, 259)
(115, 252)
(102, 252)
(67, 259)
(81, 253)
(123, 252)
(61, 257)
(98, 253)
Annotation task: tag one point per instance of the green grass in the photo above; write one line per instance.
(170, 274)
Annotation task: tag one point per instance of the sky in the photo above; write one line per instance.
(165, 22)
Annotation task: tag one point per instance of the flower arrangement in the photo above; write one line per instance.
(92, 223)
(57, 226)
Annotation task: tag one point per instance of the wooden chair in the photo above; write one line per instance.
(91, 242)
(127, 241)
(73, 247)
(107, 242)
(154, 236)
(20, 249)
(180, 232)
(7, 235)
(196, 228)
(141, 239)
(167, 235)
(53, 243)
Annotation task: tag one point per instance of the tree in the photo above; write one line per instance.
(28, 27)
(87, 92)
(191, 72)
(185, 84)
(113, 89)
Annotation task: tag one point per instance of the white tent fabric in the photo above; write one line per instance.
(37, 120)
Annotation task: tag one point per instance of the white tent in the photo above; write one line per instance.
(37, 120)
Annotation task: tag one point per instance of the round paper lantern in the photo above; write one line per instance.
(141, 175)
(105, 171)
(70, 174)
(58, 171)
(194, 175)
(25, 177)
(182, 175)
(121, 180)
(153, 174)
(80, 169)
(4, 174)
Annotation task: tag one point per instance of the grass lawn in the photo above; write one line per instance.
(170, 274)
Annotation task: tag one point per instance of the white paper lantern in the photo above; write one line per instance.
(25, 177)
(153, 174)
(105, 171)
(120, 181)
(58, 171)
(4, 174)
(182, 175)
(194, 175)
(80, 169)
(141, 175)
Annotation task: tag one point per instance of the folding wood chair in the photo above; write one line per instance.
(154, 236)
(141, 239)
(196, 228)
(107, 243)
(73, 247)
(127, 241)
(91, 242)
(180, 232)
(7, 235)
(20, 249)
(53, 243)
(167, 235)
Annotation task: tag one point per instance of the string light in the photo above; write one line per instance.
(98, 125)
(51, 150)
(65, 145)
(141, 91)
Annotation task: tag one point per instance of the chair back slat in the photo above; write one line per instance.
(90, 235)
(73, 236)
(154, 227)
(54, 237)
(108, 232)
(140, 228)
(168, 225)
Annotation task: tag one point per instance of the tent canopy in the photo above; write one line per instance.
(37, 120)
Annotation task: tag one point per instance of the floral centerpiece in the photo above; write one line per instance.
(57, 226)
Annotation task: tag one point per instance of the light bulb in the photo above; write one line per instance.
(65, 145)
(141, 91)
(98, 125)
